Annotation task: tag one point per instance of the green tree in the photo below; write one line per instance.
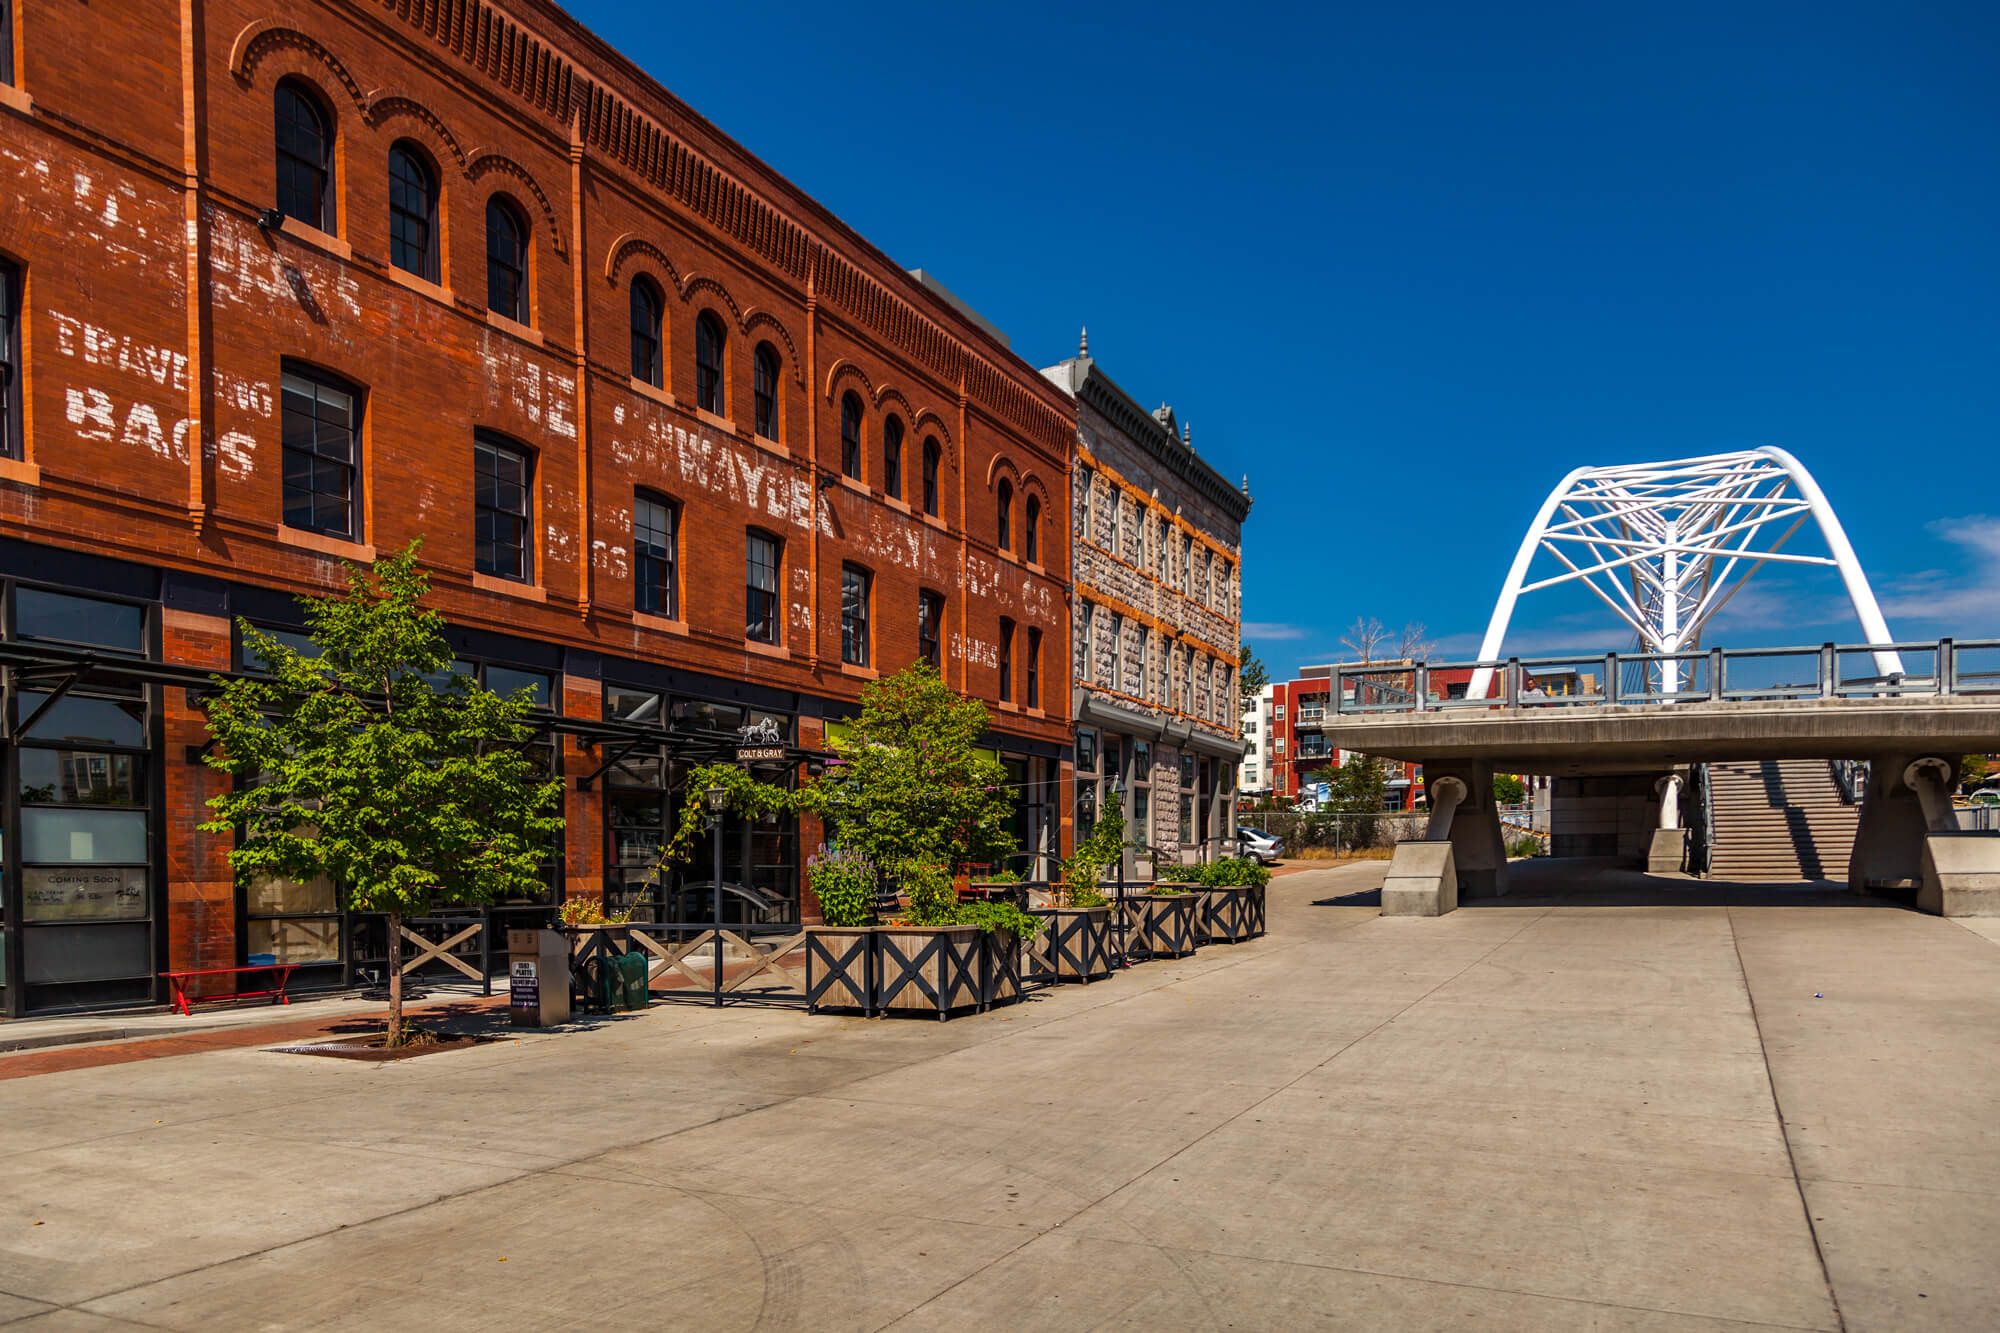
(1508, 789)
(912, 791)
(1972, 770)
(1357, 786)
(1252, 675)
(374, 765)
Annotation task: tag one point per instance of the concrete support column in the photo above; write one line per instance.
(1909, 839)
(1889, 836)
(1462, 853)
(1668, 853)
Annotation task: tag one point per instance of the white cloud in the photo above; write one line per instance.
(1268, 630)
(1964, 602)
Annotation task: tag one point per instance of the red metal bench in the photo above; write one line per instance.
(184, 1003)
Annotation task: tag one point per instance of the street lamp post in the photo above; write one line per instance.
(717, 800)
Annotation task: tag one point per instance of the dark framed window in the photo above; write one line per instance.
(1006, 660)
(765, 389)
(1033, 696)
(708, 335)
(6, 41)
(11, 433)
(1003, 513)
(850, 435)
(930, 627)
(763, 557)
(933, 460)
(656, 559)
(1031, 529)
(854, 590)
(413, 212)
(506, 259)
(892, 458)
(321, 433)
(305, 155)
(503, 474)
(647, 309)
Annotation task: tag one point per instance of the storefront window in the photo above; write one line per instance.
(62, 618)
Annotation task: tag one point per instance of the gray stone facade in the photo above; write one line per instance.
(1156, 549)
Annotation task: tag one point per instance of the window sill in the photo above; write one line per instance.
(856, 485)
(648, 390)
(777, 650)
(659, 624)
(20, 471)
(323, 544)
(522, 331)
(936, 522)
(15, 100)
(770, 445)
(527, 592)
(898, 505)
(422, 286)
(859, 672)
(723, 424)
(319, 240)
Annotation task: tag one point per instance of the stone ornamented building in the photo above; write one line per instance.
(1156, 541)
(290, 282)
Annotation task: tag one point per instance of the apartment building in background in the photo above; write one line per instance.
(294, 282)
(1157, 548)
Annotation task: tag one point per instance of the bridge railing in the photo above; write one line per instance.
(1933, 668)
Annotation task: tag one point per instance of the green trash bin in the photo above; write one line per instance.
(622, 981)
(636, 966)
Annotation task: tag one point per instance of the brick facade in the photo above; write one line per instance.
(1156, 536)
(138, 155)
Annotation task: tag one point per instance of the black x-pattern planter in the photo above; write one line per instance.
(840, 968)
(1077, 942)
(1161, 925)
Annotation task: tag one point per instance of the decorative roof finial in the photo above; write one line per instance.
(1083, 342)
(1246, 483)
(1187, 434)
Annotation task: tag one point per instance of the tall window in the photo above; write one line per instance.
(1162, 558)
(892, 457)
(1031, 529)
(850, 435)
(766, 390)
(502, 507)
(305, 156)
(1034, 694)
(647, 308)
(708, 394)
(656, 557)
(506, 260)
(1003, 513)
(413, 203)
(1006, 660)
(1117, 518)
(1119, 680)
(1187, 563)
(930, 627)
(1086, 669)
(761, 557)
(10, 361)
(321, 431)
(854, 582)
(933, 459)
(6, 41)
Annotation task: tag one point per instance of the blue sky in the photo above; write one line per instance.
(1406, 265)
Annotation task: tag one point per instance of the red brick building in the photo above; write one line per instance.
(299, 280)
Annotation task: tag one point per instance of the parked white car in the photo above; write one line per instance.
(1259, 846)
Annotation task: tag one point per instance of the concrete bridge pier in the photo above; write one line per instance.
(1908, 838)
(1667, 854)
(1462, 852)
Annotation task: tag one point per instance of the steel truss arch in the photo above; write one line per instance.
(1666, 545)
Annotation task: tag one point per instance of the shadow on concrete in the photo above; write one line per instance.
(1594, 883)
(1365, 898)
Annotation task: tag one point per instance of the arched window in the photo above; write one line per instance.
(708, 335)
(506, 260)
(1004, 513)
(850, 435)
(305, 156)
(933, 460)
(892, 458)
(413, 209)
(766, 390)
(647, 306)
(1031, 523)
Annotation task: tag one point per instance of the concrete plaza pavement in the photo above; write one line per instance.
(1689, 1109)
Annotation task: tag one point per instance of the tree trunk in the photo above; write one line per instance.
(394, 1036)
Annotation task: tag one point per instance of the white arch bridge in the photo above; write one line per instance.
(1665, 547)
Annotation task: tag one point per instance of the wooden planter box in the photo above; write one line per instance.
(930, 969)
(840, 968)
(1161, 925)
(1001, 967)
(1076, 946)
(1231, 915)
(589, 946)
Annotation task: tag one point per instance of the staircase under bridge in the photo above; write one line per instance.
(1766, 765)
